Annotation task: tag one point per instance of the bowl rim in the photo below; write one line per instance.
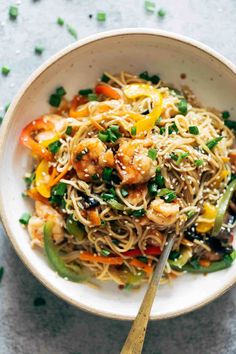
(4, 130)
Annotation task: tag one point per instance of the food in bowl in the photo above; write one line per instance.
(120, 167)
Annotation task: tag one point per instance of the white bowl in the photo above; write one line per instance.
(212, 78)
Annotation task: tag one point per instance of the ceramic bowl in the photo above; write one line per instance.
(210, 76)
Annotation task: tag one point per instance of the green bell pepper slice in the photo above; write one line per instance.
(75, 228)
(56, 261)
(222, 208)
(226, 262)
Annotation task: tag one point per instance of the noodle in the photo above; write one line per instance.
(128, 187)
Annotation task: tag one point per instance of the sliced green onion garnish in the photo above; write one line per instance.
(85, 92)
(1, 273)
(212, 143)
(173, 128)
(106, 174)
(133, 131)
(162, 130)
(101, 16)
(55, 100)
(138, 213)
(150, 6)
(103, 137)
(38, 50)
(54, 147)
(59, 189)
(92, 97)
(115, 204)
(225, 114)
(167, 194)
(160, 181)
(60, 21)
(60, 91)
(72, 31)
(193, 129)
(68, 130)
(152, 153)
(198, 162)
(80, 155)
(153, 189)
(13, 12)
(183, 106)
(105, 252)
(181, 157)
(5, 70)
(104, 78)
(161, 13)
(24, 219)
(144, 75)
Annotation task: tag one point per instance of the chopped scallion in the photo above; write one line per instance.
(193, 129)
(39, 50)
(106, 174)
(104, 78)
(150, 6)
(225, 114)
(13, 12)
(133, 131)
(138, 213)
(72, 31)
(212, 143)
(24, 219)
(68, 130)
(124, 192)
(161, 13)
(105, 252)
(183, 106)
(5, 70)
(152, 153)
(199, 162)
(60, 21)
(55, 100)
(54, 147)
(60, 91)
(85, 92)
(101, 16)
(92, 97)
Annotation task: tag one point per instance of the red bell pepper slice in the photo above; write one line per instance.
(27, 140)
(150, 251)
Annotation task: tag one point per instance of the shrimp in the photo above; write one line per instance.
(163, 213)
(36, 223)
(133, 163)
(90, 157)
(59, 125)
(136, 194)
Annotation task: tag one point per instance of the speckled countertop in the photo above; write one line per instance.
(58, 328)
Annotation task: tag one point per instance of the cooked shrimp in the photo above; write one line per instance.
(90, 157)
(136, 194)
(36, 223)
(163, 213)
(59, 124)
(132, 161)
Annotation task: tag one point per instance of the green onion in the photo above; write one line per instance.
(24, 219)
(85, 92)
(222, 207)
(1, 273)
(39, 301)
(142, 259)
(95, 177)
(39, 50)
(174, 255)
(59, 189)
(150, 6)
(162, 130)
(60, 91)
(72, 31)
(168, 194)
(55, 100)
(193, 129)
(54, 147)
(68, 130)
(106, 174)
(60, 21)
(5, 70)
(13, 12)
(152, 154)
(161, 13)
(133, 131)
(138, 213)
(124, 192)
(158, 121)
(101, 16)
(173, 128)
(173, 156)
(103, 137)
(198, 162)
(212, 143)
(80, 155)
(104, 78)
(190, 213)
(144, 75)
(152, 189)
(160, 181)
(181, 157)
(29, 180)
(115, 204)
(154, 79)
(105, 252)
(115, 129)
(92, 97)
(107, 196)
(231, 124)
(225, 114)
(191, 267)
(183, 106)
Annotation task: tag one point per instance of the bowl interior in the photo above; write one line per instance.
(212, 82)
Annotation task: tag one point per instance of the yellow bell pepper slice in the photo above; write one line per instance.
(209, 212)
(138, 90)
(222, 176)
(42, 178)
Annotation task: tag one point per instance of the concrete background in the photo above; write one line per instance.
(58, 328)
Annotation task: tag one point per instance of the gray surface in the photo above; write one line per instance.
(58, 328)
